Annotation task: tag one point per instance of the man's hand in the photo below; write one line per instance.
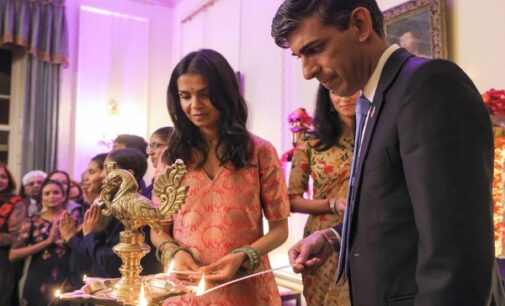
(310, 253)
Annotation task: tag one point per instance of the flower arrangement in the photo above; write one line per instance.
(299, 120)
(495, 101)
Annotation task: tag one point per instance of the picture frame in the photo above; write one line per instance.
(418, 26)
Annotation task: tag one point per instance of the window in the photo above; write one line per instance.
(12, 87)
(5, 102)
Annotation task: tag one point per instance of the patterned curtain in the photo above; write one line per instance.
(40, 26)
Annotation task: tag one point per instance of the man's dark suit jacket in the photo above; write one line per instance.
(422, 227)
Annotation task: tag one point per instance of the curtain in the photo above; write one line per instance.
(40, 26)
(40, 132)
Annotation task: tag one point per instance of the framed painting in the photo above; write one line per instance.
(418, 26)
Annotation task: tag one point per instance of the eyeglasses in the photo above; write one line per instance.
(154, 146)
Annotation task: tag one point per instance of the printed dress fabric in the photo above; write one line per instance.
(12, 211)
(49, 268)
(330, 170)
(225, 213)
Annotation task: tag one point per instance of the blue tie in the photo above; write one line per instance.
(362, 107)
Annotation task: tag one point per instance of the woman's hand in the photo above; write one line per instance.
(341, 204)
(183, 261)
(67, 227)
(54, 235)
(94, 221)
(225, 268)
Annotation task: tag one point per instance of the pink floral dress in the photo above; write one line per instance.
(226, 213)
(330, 172)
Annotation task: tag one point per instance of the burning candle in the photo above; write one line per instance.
(200, 290)
(142, 297)
(84, 278)
(57, 293)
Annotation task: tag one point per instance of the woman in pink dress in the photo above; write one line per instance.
(234, 178)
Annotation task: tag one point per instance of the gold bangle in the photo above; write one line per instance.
(160, 248)
(168, 255)
(252, 254)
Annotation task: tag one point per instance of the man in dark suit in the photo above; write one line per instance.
(419, 228)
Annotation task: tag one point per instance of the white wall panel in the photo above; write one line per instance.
(192, 35)
(222, 30)
(112, 66)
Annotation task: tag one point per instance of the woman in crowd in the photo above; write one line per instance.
(157, 143)
(64, 179)
(49, 267)
(92, 252)
(325, 154)
(75, 193)
(91, 185)
(233, 176)
(12, 213)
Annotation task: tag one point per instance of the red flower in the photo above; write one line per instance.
(328, 169)
(495, 101)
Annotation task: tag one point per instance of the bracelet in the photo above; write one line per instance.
(159, 248)
(331, 241)
(252, 254)
(168, 255)
(332, 203)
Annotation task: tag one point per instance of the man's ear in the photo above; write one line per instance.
(361, 22)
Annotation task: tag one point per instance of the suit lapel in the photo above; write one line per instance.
(388, 75)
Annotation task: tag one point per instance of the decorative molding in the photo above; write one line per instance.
(167, 3)
(202, 8)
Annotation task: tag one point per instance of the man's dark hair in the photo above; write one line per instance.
(336, 13)
(130, 159)
(133, 141)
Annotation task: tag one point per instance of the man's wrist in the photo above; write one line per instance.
(332, 238)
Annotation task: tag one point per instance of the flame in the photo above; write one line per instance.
(200, 290)
(57, 293)
(84, 278)
(171, 267)
(142, 297)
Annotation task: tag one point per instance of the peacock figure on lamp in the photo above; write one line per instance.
(133, 210)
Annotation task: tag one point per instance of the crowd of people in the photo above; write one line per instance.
(400, 155)
(53, 232)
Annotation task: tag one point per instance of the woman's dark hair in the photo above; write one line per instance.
(328, 126)
(335, 13)
(49, 181)
(50, 175)
(164, 132)
(234, 143)
(130, 159)
(12, 185)
(99, 159)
